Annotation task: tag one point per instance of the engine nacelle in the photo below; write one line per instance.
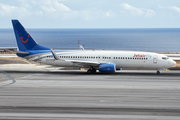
(107, 68)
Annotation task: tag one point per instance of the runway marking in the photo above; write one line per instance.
(9, 76)
(24, 77)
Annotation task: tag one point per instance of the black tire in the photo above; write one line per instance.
(93, 70)
(89, 71)
(158, 73)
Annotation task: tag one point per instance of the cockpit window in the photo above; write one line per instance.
(165, 58)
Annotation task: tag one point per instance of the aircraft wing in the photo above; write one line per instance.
(78, 62)
(84, 63)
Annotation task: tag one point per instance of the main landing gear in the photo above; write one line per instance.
(91, 70)
(158, 72)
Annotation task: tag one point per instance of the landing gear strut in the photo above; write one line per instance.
(157, 72)
(91, 70)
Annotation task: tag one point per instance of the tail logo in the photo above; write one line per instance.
(23, 40)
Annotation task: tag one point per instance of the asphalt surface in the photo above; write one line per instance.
(29, 91)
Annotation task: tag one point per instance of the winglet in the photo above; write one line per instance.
(81, 47)
(54, 55)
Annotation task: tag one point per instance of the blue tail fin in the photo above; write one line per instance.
(23, 38)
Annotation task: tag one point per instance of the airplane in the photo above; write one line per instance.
(81, 47)
(101, 60)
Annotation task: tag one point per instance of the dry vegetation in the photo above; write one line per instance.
(12, 58)
(7, 52)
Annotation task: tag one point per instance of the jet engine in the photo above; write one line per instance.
(107, 68)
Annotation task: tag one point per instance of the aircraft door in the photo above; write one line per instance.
(99, 58)
(155, 59)
(103, 58)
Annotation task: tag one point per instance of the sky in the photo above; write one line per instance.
(91, 13)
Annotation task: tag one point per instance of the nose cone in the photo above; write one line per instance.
(173, 63)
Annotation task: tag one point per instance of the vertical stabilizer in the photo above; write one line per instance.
(24, 39)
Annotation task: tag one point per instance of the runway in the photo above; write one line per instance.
(48, 93)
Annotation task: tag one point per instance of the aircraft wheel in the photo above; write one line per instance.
(93, 70)
(89, 71)
(157, 72)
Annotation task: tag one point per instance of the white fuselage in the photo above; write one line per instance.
(122, 59)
